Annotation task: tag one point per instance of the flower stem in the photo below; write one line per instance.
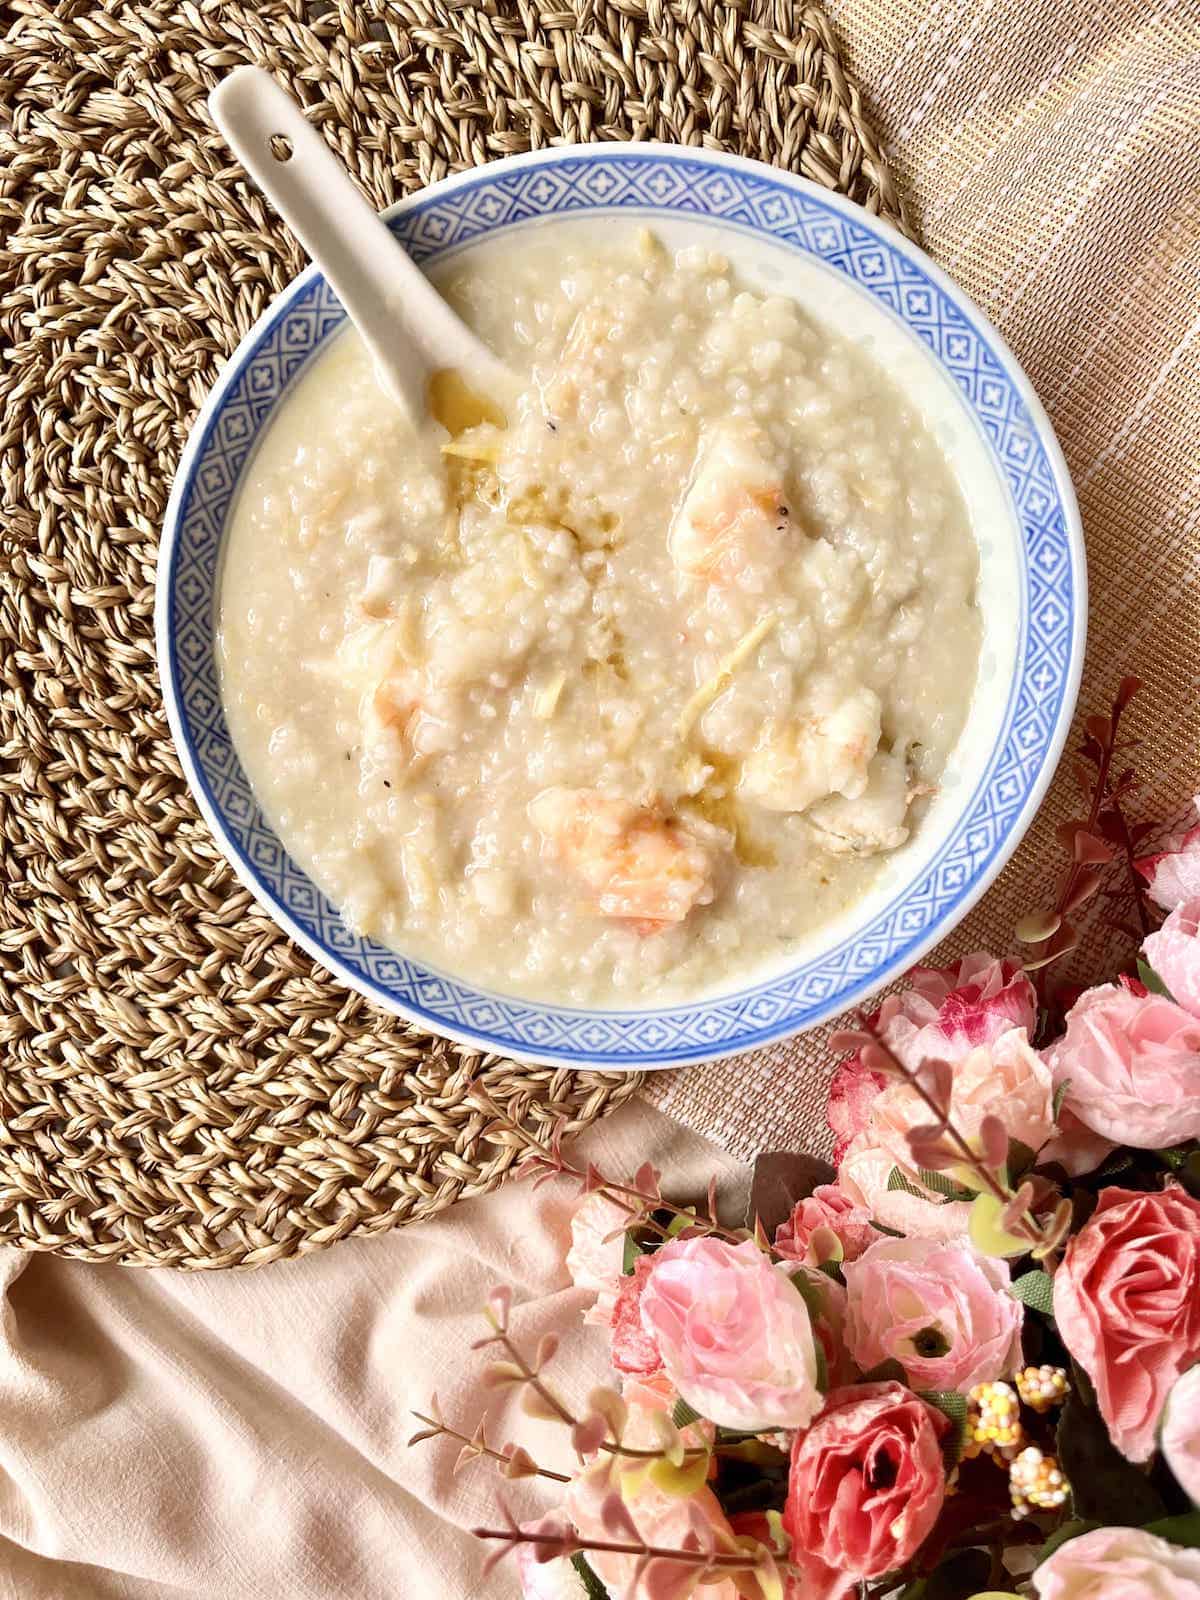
(728, 1561)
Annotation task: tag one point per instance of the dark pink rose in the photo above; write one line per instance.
(1127, 1304)
(1173, 875)
(1174, 953)
(866, 1483)
(826, 1209)
(1131, 1066)
(633, 1350)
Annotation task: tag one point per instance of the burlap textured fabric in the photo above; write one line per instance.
(1051, 157)
(179, 1084)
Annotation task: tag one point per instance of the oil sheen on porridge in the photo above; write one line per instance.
(618, 695)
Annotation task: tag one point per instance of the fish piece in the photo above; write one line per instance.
(873, 822)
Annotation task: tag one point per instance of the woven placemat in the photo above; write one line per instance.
(179, 1085)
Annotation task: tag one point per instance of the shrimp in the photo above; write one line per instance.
(729, 528)
(795, 765)
(403, 708)
(636, 864)
(873, 822)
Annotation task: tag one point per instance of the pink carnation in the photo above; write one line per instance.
(1127, 1304)
(941, 1310)
(1119, 1564)
(733, 1333)
(1131, 1066)
(945, 1013)
(827, 1209)
(1174, 953)
(866, 1485)
(1173, 875)
(633, 1350)
(852, 1089)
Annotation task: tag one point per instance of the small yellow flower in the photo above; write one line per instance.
(1042, 1388)
(993, 1421)
(1036, 1482)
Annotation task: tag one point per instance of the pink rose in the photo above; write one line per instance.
(1075, 1147)
(633, 1350)
(1127, 1304)
(733, 1333)
(1173, 875)
(866, 1483)
(829, 1209)
(944, 1014)
(863, 1177)
(1180, 1438)
(1119, 1564)
(661, 1517)
(941, 1310)
(597, 1252)
(1007, 1079)
(1174, 953)
(1131, 1066)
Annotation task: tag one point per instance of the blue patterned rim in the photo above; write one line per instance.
(734, 192)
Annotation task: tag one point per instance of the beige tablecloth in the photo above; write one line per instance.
(1052, 156)
(242, 1436)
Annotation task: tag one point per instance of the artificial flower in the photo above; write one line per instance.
(1173, 875)
(866, 1484)
(1174, 953)
(633, 1350)
(597, 1251)
(941, 1310)
(1180, 1436)
(1127, 1305)
(1129, 1067)
(1118, 1564)
(662, 1516)
(733, 1333)
(826, 1211)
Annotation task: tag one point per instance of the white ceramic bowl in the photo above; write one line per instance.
(849, 269)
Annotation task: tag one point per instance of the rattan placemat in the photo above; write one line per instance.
(179, 1085)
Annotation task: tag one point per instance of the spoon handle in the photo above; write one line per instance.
(408, 327)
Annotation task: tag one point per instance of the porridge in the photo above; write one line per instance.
(617, 696)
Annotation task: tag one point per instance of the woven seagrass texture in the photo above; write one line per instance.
(180, 1085)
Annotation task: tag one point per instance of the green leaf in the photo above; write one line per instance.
(987, 1235)
(809, 1293)
(1151, 979)
(897, 1180)
(631, 1250)
(1060, 1094)
(683, 1414)
(1069, 1530)
(954, 1406)
(959, 1575)
(1104, 1485)
(822, 1365)
(592, 1586)
(1184, 1530)
(882, 1227)
(1176, 1155)
(1189, 1174)
(1036, 1290)
(680, 1221)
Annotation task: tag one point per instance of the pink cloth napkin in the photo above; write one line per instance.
(242, 1436)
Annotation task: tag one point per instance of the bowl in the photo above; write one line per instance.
(854, 271)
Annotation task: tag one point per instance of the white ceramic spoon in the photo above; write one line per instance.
(410, 330)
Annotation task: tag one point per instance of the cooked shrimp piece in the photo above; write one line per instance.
(403, 708)
(734, 519)
(800, 762)
(875, 820)
(635, 863)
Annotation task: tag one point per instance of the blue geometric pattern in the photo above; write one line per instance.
(666, 182)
